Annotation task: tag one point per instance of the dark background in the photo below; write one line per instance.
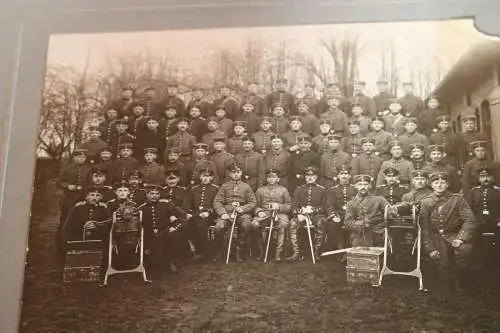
(24, 29)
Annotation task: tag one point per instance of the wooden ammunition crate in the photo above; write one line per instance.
(83, 261)
(364, 264)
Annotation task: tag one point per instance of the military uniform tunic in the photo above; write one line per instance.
(222, 161)
(365, 164)
(235, 145)
(268, 194)
(453, 177)
(330, 164)
(407, 139)
(122, 168)
(204, 106)
(339, 121)
(81, 213)
(367, 104)
(351, 144)
(382, 140)
(182, 141)
(93, 148)
(279, 125)
(298, 162)
(382, 101)
(174, 194)
(392, 193)
(403, 166)
(449, 141)
(411, 105)
(470, 174)
(153, 173)
(310, 124)
(283, 97)
(252, 165)
(262, 141)
(394, 124)
(119, 139)
(320, 144)
(278, 160)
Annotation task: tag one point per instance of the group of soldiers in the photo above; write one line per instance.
(334, 163)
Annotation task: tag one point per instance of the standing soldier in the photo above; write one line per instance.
(182, 140)
(367, 163)
(309, 199)
(173, 98)
(291, 138)
(201, 162)
(171, 163)
(151, 137)
(364, 215)
(249, 117)
(213, 132)
(395, 120)
(320, 142)
(397, 162)
(152, 106)
(420, 189)
(235, 142)
(427, 119)
(137, 120)
(98, 178)
(332, 160)
(417, 155)
(225, 124)
(197, 124)
(411, 136)
(72, 180)
(310, 100)
(260, 107)
(105, 162)
(448, 225)
(123, 104)
(358, 114)
(233, 197)
(467, 136)
(152, 172)
(137, 193)
(251, 163)
(281, 96)
(365, 102)
(263, 137)
(93, 145)
(198, 101)
(168, 125)
(221, 159)
(122, 167)
(351, 143)
(278, 159)
(332, 89)
(108, 126)
(438, 164)
(301, 159)
(338, 119)
(121, 137)
(201, 215)
(411, 104)
(391, 190)
(382, 138)
(382, 99)
(310, 123)
(279, 120)
(230, 104)
(271, 197)
(445, 137)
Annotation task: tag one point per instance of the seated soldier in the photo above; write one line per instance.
(309, 199)
(448, 225)
(162, 223)
(201, 215)
(122, 197)
(98, 179)
(364, 215)
(172, 191)
(392, 191)
(201, 162)
(233, 197)
(271, 198)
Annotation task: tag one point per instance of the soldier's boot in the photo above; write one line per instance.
(218, 247)
(260, 249)
(318, 241)
(239, 259)
(295, 245)
(280, 242)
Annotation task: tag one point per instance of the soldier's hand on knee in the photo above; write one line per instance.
(434, 255)
(261, 214)
(275, 206)
(301, 218)
(225, 216)
(239, 210)
(457, 242)
(204, 215)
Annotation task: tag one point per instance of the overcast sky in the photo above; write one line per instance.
(417, 43)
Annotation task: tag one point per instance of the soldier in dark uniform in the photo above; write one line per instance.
(310, 123)
(391, 190)
(137, 193)
(152, 172)
(364, 214)
(310, 100)
(280, 95)
(199, 206)
(200, 163)
(416, 152)
(230, 104)
(98, 178)
(320, 142)
(366, 103)
(250, 117)
(251, 163)
(291, 138)
(232, 197)
(182, 140)
(367, 163)
(332, 90)
(411, 104)
(301, 159)
(279, 121)
(445, 137)
(221, 159)
(225, 124)
(467, 136)
(197, 125)
(260, 107)
(105, 162)
(151, 137)
(340, 195)
(382, 138)
(93, 145)
(122, 167)
(72, 180)
(87, 219)
(108, 126)
(263, 137)
(168, 125)
(172, 191)
(397, 162)
(411, 136)
(438, 164)
(331, 161)
(121, 197)
(137, 121)
(173, 98)
(395, 121)
(382, 99)
(448, 224)
(419, 190)
(309, 199)
(338, 119)
(121, 137)
(198, 101)
(152, 106)
(359, 115)
(484, 201)
(172, 163)
(480, 160)
(427, 119)
(162, 222)
(213, 131)
(123, 104)
(234, 145)
(351, 143)
(271, 197)
(278, 159)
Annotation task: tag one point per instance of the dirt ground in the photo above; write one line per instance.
(248, 297)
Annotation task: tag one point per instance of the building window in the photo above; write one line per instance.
(468, 100)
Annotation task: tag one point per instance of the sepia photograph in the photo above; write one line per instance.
(306, 178)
